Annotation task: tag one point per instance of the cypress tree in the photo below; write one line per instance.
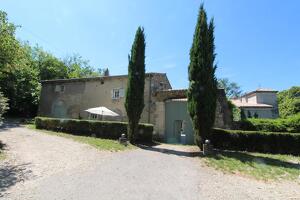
(202, 92)
(134, 102)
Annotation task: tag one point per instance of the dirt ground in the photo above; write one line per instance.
(40, 166)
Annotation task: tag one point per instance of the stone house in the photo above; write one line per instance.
(261, 103)
(165, 108)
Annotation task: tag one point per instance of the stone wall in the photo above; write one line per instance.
(85, 93)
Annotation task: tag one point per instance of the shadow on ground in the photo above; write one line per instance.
(170, 151)
(254, 159)
(12, 174)
(8, 124)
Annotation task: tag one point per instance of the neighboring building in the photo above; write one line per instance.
(261, 103)
(165, 108)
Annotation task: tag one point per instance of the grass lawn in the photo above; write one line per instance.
(101, 144)
(258, 165)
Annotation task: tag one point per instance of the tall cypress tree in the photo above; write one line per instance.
(202, 92)
(134, 103)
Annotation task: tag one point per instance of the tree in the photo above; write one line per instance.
(77, 67)
(3, 105)
(21, 84)
(289, 102)
(22, 67)
(134, 102)
(255, 115)
(8, 43)
(106, 72)
(202, 92)
(232, 89)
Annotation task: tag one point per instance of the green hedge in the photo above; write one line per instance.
(290, 124)
(101, 129)
(256, 141)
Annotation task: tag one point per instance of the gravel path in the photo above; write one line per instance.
(40, 166)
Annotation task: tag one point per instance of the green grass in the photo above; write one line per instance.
(2, 155)
(101, 144)
(258, 165)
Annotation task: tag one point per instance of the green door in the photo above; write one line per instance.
(177, 121)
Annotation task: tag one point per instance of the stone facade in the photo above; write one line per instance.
(69, 98)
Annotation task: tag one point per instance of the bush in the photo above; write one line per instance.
(100, 129)
(290, 124)
(256, 141)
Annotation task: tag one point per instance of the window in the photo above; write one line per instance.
(94, 116)
(117, 93)
(60, 88)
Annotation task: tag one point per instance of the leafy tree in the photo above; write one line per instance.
(8, 43)
(3, 105)
(202, 92)
(289, 101)
(49, 66)
(23, 66)
(232, 89)
(21, 85)
(134, 102)
(255, 115)
(77, 67)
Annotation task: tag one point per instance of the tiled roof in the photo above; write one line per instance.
(260, 90)
(240, 104)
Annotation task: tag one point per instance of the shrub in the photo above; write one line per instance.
(256, 141)
(290, 124)
(100, 129)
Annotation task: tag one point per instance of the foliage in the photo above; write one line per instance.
(256, 141)
(101, 129)
(258, 165)
(3, 105)
(243, 115)
(236, 112)
(101, 144)
(232, 89)
(134, 102)
(202, 92)
(290, 124)
(8, 43)
(22, 67)
(77, 67)
(289, 101)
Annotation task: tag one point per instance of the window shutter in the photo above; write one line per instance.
(112, 93)
(122, 92)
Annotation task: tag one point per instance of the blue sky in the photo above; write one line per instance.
(257, 42)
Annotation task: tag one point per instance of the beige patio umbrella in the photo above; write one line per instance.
(102, 111)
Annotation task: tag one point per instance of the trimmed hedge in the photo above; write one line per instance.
(290, 124)
(256, 141)
(101, 129)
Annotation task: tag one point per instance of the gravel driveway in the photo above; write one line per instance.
(40, 166)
